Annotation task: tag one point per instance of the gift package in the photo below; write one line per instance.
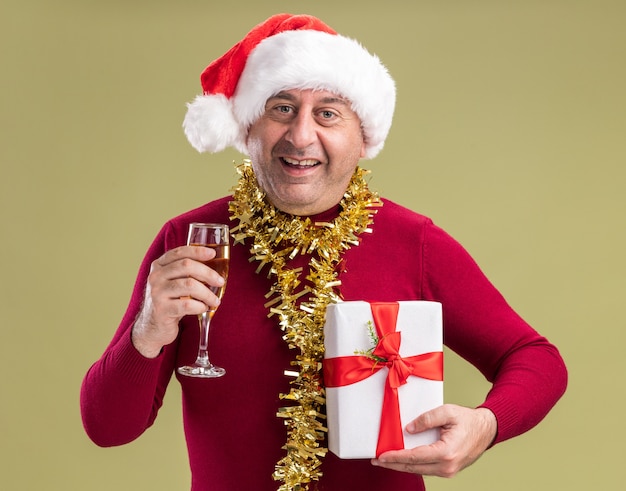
(383, 367)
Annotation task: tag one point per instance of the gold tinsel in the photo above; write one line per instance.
(276, 238)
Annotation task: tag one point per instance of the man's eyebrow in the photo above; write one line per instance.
(283, 95)
(335, 100)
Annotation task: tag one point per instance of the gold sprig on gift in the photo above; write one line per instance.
(276, 238)
(369, 353)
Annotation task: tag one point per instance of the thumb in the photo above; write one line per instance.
(435, 418)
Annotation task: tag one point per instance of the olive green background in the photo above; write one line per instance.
(509, 132)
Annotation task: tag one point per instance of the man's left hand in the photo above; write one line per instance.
(465, 434)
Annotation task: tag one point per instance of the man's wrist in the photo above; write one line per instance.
(141, 344)
(490, 425)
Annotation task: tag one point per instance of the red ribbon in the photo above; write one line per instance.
(346, 370)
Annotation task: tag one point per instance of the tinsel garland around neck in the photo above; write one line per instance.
(277, 237)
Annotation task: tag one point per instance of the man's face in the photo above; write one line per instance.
(304, 150)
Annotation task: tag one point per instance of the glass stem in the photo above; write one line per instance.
(203, 351)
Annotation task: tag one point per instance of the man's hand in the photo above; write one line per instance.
(176, 287)
(465, 434)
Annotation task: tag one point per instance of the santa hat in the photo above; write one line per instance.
(288, 52)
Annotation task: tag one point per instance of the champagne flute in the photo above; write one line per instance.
(215, 236)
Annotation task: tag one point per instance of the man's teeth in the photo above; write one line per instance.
(301, 163)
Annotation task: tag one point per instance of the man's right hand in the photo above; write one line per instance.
(177, 286)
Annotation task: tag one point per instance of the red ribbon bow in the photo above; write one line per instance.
(346, 370)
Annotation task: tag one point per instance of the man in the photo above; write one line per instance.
(305, 104)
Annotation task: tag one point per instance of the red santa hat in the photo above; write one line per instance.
(288, 52)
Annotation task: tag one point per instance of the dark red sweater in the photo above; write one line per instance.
(233, 435)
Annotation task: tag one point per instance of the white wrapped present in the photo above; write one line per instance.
(383, 367)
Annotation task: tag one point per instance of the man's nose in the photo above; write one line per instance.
(302, 131)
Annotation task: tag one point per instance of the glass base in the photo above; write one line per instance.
(201, 372)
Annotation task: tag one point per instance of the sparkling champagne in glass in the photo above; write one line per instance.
(215, 236)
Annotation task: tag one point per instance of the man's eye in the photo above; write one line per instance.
(327, 114)
(284, 109)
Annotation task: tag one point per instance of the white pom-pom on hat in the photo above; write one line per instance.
(288, 52)
(210, 124)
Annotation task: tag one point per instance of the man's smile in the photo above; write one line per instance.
(299, 163)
